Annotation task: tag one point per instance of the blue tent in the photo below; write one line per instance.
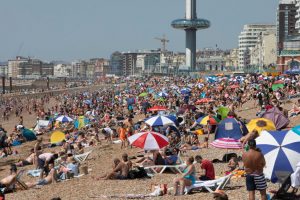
(231, 128)
(28, 134)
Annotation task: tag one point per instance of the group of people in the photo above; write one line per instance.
(118, 112)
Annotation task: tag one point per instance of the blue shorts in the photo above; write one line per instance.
(42, 182)
(256, 182)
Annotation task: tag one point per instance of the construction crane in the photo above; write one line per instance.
(163, 41)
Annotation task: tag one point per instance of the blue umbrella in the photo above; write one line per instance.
(159, 121)
(185, 91)
(281, 150)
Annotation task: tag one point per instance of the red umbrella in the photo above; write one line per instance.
(204, 100)
(149, 140)
(234, 86)
(157, 108)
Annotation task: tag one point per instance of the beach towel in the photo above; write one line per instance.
(34, 172)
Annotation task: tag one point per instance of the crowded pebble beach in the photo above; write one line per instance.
(152, 137)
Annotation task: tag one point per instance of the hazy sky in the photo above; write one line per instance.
(80, 29)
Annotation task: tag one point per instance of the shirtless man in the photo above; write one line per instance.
(254, 163)
(27, 161)
(11, 179)
(120, 169)
(50, 178)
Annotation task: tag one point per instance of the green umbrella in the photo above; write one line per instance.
(223, 111)
(144, 94)
(277, 86)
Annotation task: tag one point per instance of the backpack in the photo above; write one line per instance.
(139, 172)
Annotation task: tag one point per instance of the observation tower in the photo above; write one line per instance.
(190, 24)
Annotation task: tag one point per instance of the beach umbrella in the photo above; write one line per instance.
(148, 140)
(159, 121)
(204, 100)
(185, 91)
(223, 111)
(261, 124)
(144, 94)
(281, 150)
(163, 94)
(204, 120)
(88, 102)
(157, 108)
(64, 119)
(57, 136)
(226, 143)
(277, 86)
(296, 129)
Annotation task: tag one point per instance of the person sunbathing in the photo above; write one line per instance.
(120, 171)
(50, 178)
(8, 182)
(28, 161)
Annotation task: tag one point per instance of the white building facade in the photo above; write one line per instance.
(264, 52)
(249, 38)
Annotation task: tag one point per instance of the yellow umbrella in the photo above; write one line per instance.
(261, 124)
(57, 136)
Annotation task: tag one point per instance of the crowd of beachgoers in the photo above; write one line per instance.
(164, 119)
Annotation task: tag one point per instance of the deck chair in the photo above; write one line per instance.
(175, 168)
(82, 157)
(211, 185)
(284, 178)
(19, 182)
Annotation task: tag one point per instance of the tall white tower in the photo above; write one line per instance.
(190, 24)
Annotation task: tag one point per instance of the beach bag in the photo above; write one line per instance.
(139, 172)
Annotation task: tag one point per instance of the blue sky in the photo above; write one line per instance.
(81, 29)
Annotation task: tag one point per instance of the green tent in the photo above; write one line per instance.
(223, 111)
(277, 86)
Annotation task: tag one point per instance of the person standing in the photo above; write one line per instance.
(254, 163)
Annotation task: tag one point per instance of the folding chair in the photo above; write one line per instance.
(211, 185)
(82, 157)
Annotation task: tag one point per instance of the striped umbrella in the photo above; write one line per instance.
(163, 94)
(159, 121)
(227, 143)
(149, 140)
(281, 150)
(64, 119)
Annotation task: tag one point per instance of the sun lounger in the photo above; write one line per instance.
(211, 186)
(162, 168)
(175, 168)
(82, 157)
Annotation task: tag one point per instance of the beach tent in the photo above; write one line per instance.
(81, 122)
(41, 124)
(277, 117)
(230, 128)
(57, 136)
(28, 134)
